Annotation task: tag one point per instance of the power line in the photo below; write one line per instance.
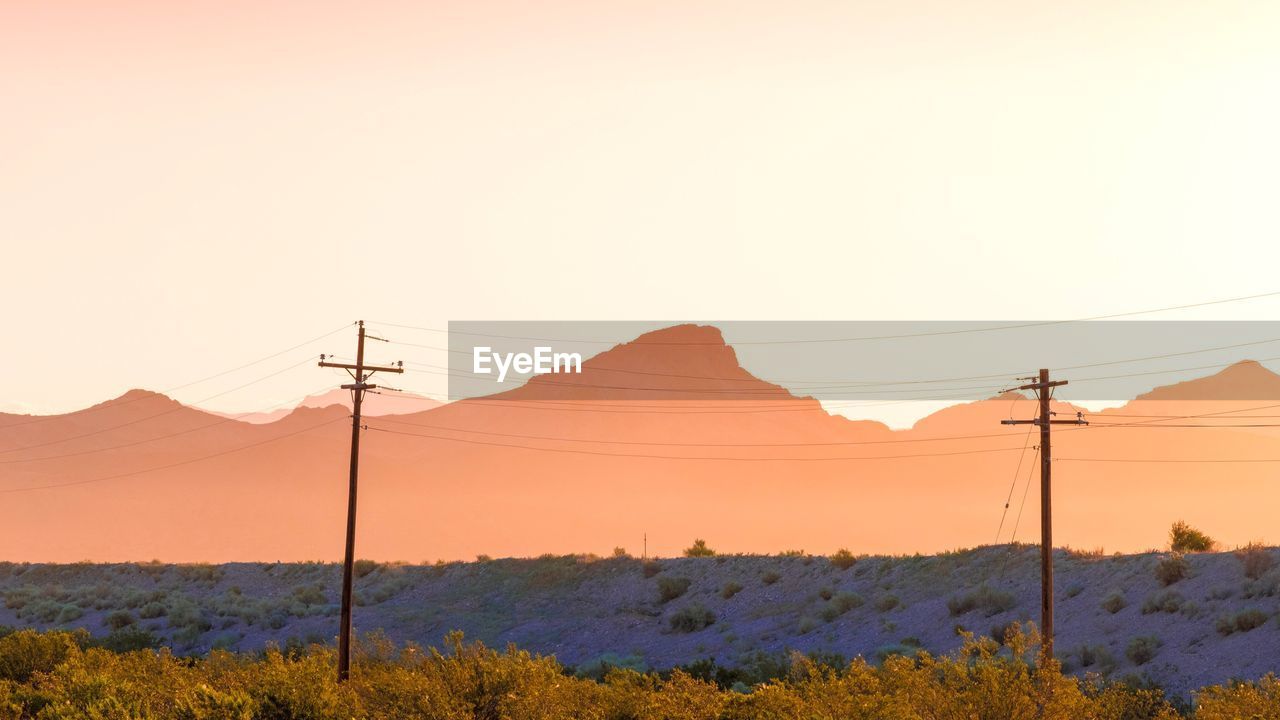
(1014, 326)
(446, 428)
(180, 406)
(48, 418)
(217, 423)
(689, 457)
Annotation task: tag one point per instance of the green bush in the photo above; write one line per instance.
(1114, 602)
(1166, 601)
(885, 603)
(990, 601)
(119, 619)
(692, 618)
(1141, 650)
(840, 603)
(1243, 621)
(1170, 570)
(699, 549)
(1184, 539)
(670, 588)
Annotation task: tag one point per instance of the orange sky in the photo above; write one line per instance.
(186, 186)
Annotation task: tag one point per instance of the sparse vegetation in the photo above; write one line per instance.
(730, 589)
(1255, 559)
(699, 549)
(1114, 602)
(843, 559)
(1165, 601)
(651, 568)
(1185, 539)
(670, 588)
(839, 604)
(692, 618)
(990, 601)
(1141, 650)
(1171, 569)
(1241, 622)
(887, 602)
(770, 577)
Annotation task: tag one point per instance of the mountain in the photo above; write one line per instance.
(375, 404)
(666, 437)
(1246, 380)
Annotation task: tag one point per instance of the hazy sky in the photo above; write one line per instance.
(186, 186)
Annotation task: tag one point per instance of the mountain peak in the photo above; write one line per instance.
(681, 362)
(1243, 380)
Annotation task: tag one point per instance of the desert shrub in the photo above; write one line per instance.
(1141, 650)
(1243, 621)
(792, 553)
(730, 589)
(699, 549)
(840, 603)
(1256, 560)
(843, 559)
(26, 652)
(1184, 539)
(884, 652)
(651, 568)
(1095, 657)
(825, 593)
(119, 619)
(483, 558)
(199, 573)
(361, 568)
(691, 618)
(1114, 602)
(126, 639)
(990, 601)
(312, 594)
(1171, 569)
(597, 668)
(206, 703)
(806, 625)
(670, 588)
(68, 613)
(620, 552)
(887, 602)
(770, 578)
(152, 610)
(1166, 601)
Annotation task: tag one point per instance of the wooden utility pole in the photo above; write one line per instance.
(360, 373)
(1043, 388)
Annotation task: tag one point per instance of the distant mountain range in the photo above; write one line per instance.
(375, 404)
(696, 447)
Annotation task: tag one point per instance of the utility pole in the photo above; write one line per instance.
(1043, 388)
(360, 373)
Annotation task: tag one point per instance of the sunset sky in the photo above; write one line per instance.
(185, 187)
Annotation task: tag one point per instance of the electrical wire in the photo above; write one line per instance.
(688, 457)
(48, 418)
